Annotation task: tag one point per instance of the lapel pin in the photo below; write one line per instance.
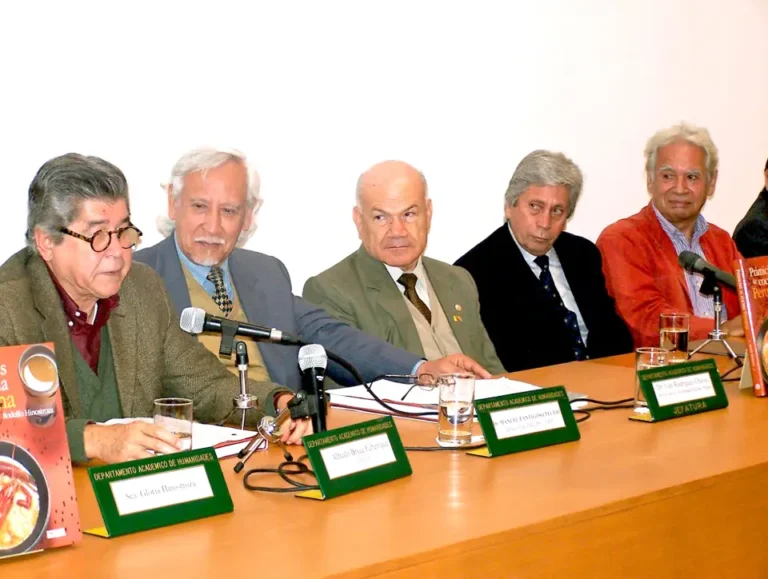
(458, 307)
(456, 318)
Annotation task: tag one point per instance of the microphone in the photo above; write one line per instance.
(196, 321)
(696, 264)
(313, 361)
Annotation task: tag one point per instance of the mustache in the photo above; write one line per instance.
(395, 242)
(209, 239)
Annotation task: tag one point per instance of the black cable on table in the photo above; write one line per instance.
(586, 415)
(604, 402)
(283, 472)
(739, 364)
(432, 448)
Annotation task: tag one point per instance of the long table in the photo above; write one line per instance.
(629, 499)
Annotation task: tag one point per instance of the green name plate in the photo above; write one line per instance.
(524, 421)
(355, 457)
(680, 390)
(162, 490)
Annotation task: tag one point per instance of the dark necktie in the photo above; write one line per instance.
(408, 280)
(220, 296)
(569, 318)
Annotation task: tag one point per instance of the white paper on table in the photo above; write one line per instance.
(225, 441)
(419, 399)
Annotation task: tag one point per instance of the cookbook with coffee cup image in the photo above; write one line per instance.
(38, 508)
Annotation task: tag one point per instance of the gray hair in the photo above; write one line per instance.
(543, 168)
(204, 159)
(62, 184)
(687, 133)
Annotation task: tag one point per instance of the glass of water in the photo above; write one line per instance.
(673, 336)
(646, 358)
(457, 395)
(175, 415)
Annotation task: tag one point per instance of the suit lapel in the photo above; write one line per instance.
(666, 249)
(574, 275)
(252, 293)
(449, 296)
(48, 303)
(123, 332)
(385, 299)
(519, 275)
(169, 267)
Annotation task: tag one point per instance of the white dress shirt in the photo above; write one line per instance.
(561, 283)
(421, 280)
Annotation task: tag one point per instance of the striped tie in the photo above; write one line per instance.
(569, 318)
(408, 281)
(220, 296)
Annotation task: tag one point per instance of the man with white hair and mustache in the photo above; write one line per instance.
(213, 199)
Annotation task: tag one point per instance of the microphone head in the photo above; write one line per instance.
(192, 320)
(688, 259)
(312, 356)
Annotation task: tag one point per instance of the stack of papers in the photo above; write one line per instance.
(418, 399)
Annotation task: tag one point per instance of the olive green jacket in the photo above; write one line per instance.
(359, 291)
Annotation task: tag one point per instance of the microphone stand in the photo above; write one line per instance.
(711, 287)
(270, 428)
(243, 401)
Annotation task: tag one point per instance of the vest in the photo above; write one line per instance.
(99, 399)
(437, 339)
(200, 299)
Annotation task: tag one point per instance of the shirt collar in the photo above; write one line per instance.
(529, 257)
(396, 272)
(199, 272)
(78, 317)
(699, 228)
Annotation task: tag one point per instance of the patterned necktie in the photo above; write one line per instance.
(569, 318)
(220, 296)
(408, 281)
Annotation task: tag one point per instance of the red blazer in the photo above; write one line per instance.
(643, 276)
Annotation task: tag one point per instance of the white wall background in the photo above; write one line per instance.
(315, 92)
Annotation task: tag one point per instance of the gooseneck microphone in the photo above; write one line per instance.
(696, 264)
(196, 321)
(313, 361)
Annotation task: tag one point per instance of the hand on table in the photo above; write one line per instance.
(452, 364)
(292, 430)
(733, 327)
(121, 442)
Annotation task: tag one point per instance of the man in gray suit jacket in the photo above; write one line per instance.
(212, 202)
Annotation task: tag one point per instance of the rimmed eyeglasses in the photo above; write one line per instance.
(424, 381)
(128, 237)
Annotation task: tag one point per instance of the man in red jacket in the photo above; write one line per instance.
(640, 252)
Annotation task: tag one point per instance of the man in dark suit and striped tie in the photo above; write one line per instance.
(542, 292)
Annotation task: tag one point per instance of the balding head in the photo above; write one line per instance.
(393, 213)
(384, 174)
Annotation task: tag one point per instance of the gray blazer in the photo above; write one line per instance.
(264, 288)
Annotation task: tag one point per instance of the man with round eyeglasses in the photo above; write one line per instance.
(117, 340)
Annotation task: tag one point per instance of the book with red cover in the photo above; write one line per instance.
(38, 509)
(752, 287)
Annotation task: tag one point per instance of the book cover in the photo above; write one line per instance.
(752, 287)
(38, 509)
